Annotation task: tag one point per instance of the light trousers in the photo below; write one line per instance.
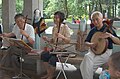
(91, 62)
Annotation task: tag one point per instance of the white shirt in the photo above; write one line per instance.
(28, 29)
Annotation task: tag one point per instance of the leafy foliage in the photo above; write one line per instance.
(74, 7)
(77, 8)
(19, 6)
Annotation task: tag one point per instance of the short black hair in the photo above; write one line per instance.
(61, 15)
(18, 16)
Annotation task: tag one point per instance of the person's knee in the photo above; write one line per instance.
(87, 56)
(53, 61)
(45, 56)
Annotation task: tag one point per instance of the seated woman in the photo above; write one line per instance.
(60, 35)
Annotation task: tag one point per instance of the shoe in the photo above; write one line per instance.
(16, 77)
(72, 55)
(4, 48)
(44, 77)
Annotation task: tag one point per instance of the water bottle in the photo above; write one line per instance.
(104, 75)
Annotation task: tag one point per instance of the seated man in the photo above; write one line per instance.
(22, 31)
(92, 60)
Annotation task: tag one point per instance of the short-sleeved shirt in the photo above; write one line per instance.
(28, 29)
(94, 30)
(64, 30)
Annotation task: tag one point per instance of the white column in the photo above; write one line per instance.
(8, 13)
(41, 6)
(29, 7)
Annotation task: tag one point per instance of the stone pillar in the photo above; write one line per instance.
(41, 6)
(8, 13)
(30, 6)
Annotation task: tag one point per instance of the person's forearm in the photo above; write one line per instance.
(8, 35)
(66, 40)
(88, 44)
(116, 40)
(31, 41)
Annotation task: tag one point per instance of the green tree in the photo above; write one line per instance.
(69, 7)
(19, 6)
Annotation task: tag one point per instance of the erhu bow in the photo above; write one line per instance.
(59, 24)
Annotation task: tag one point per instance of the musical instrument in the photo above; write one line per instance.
(102, 43)
(24, 25)
(24, 29)
(39, 26)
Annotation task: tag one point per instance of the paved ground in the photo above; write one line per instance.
(5, 74)
(8, 73)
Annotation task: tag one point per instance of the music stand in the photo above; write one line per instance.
(6, 44)
(21, 44)
(59, 56)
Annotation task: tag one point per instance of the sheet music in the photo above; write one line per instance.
(6, 42)
(20, 43)
(16, 42)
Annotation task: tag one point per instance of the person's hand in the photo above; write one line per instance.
(93, 45)
(45, 38)
(4, 34)
(105, 35)
(60, 35)
(1, 34)
(23, 32)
